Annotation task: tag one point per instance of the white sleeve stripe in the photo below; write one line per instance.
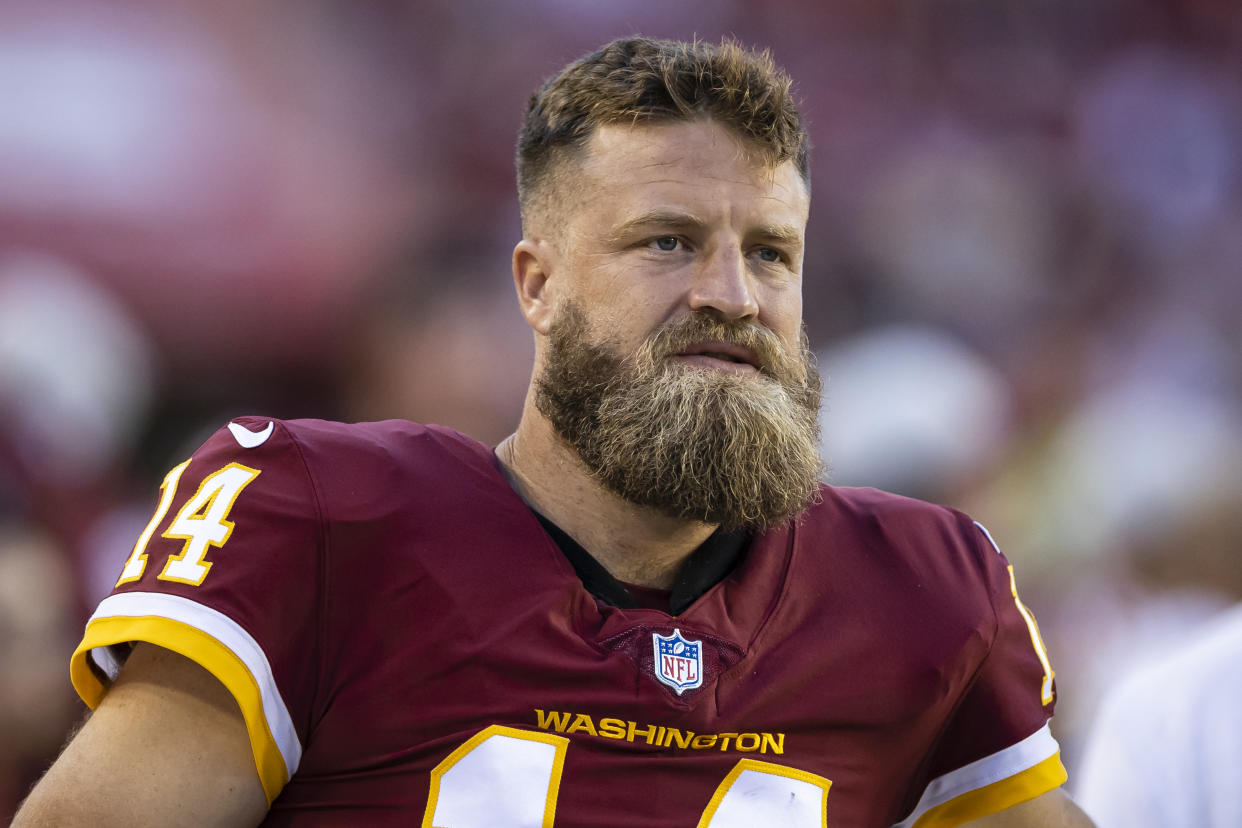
(223, 629)
(988, 535)
(1003, 764)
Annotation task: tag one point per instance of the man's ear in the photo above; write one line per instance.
(533, 264)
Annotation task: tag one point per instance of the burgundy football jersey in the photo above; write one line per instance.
(409, 646)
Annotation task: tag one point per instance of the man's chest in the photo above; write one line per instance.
(532, 714)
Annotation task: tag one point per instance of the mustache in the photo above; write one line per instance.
(704, 326)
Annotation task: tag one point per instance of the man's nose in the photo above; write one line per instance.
(723, 282)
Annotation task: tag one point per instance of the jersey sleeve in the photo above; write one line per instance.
(997, 750)
(227, 573)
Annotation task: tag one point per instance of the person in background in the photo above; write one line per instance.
(1165, 750)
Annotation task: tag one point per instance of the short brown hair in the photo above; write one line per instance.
(640, 80)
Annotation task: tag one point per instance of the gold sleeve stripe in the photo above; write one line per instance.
(212, 642)
(990, 799)
(996, 773)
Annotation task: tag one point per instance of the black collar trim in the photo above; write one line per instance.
(707, 566)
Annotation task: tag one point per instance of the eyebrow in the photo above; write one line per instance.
(783, 234)
(657, 220)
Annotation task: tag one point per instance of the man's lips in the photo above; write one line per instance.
(724, 356)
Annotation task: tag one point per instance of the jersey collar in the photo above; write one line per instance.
(714, 559)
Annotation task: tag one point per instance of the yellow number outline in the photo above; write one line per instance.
(559, 743)
(137, 562)
(771, 769)
(196, 530)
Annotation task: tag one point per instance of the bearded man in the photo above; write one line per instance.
(642, 609)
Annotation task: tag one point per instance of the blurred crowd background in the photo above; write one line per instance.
(1022, 277)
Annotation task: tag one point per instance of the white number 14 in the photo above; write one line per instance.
(508, 778)
(202, 523)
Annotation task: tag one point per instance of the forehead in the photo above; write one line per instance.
(691, 164)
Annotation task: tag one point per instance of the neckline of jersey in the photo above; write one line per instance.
(707, 566)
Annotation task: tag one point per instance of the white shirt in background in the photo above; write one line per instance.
(1166, 748)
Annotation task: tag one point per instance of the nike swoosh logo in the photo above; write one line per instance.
(251, 439)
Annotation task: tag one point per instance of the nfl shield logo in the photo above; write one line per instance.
(678, 661)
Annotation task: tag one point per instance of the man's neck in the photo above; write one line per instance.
(636, 544)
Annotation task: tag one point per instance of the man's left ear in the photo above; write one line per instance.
(533, 262)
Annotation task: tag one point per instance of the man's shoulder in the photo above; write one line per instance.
(873, 529)
(400, 435)
(327, 446)
(352, 466)
(868, 507)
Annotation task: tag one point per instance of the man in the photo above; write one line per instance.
(641, 610)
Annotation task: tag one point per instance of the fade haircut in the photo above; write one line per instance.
(641, 81)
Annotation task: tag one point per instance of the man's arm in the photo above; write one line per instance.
(1051, 810)
(166, 746)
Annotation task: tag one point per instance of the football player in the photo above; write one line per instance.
(641, 610)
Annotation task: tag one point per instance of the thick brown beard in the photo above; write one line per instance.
(733, 450)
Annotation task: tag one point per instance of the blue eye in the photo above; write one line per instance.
(769, 254)
(667, 243)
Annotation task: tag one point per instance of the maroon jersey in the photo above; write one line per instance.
(406, 643)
